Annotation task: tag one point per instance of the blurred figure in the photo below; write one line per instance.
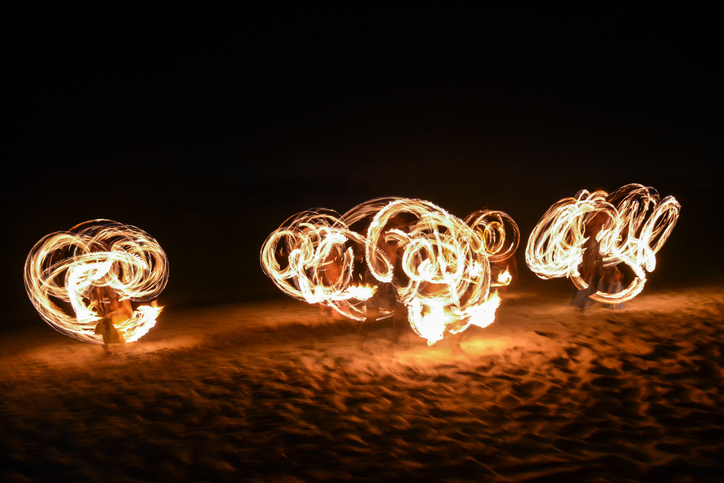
(611, 282)
(331, 275)
(591, 267)
(386, 297)
(112, 311)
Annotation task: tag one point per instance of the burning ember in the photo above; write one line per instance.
(96, 268)
(628, 226)
(439, 266)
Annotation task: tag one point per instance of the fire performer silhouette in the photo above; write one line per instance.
(419, 261)
(96, 269)
(591, 268)
(595, 231)
(112, 311)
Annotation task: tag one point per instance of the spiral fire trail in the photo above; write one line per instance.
(98, 256)
(438, 264)
(633, 222)
(317, 251)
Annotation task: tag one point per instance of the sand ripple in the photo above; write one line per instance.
(277, 392)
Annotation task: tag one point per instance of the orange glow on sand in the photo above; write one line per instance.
(72, 267)
(438, 265)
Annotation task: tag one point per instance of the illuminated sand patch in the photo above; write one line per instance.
(91, 273)
(276, 392)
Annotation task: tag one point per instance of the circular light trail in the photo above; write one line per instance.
(438, 264)
(634, 223)
(69, 275)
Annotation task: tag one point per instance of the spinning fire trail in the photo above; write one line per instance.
(629, 226)
(439, 266)
(97, 263)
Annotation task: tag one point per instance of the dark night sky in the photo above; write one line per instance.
(207, 128)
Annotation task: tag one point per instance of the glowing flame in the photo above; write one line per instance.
(438, 264)
(360, 292)
(484, 314)
(504, 279)
(629, 226)
(85, 267)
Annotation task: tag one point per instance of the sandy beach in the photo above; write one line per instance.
(277, 391)
(208, 125)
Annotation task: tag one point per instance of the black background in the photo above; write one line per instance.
(209, 127)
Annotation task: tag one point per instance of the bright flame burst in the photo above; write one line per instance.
(633, 225)
(439, 265)
(92, 258)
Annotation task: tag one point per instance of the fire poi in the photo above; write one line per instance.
(439, 266)
(628, 226)
(87, 276)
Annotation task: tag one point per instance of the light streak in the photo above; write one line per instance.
(630, 226)
(311, 258)
(504, 278)
(438, 264)
(66, 271)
